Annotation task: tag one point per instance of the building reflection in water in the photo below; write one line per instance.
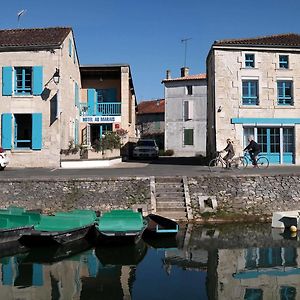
(249, 265)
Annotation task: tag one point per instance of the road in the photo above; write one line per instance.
(161, 167)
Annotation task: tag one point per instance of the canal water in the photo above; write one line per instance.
(216, 262)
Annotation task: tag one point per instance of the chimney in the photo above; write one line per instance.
(184, 71)
(168, 74)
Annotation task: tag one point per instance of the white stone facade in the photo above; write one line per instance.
(185, 112)
(58, 132)
(229, 117)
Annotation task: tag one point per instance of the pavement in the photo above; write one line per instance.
(164, 166)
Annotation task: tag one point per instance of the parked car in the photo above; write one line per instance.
(145, 148)
(3, 159)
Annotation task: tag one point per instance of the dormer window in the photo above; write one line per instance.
(249, 60)
(283, 61)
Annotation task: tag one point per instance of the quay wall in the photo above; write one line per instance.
(242, 195)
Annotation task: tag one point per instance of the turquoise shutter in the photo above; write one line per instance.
(76, 95)
(37, 80)
(70, 47)
(7, 73)
(6, 130)
(91, 101)
(76, 132)
(37, 276)
(37, 131)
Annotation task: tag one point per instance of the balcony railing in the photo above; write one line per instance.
(101, 109)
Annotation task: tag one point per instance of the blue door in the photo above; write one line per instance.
(288, 146)
(269, 140)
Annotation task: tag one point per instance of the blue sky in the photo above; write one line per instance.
(147, 34)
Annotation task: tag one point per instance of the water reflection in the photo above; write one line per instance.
(224, 262)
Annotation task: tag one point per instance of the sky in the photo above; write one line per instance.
(148, 34)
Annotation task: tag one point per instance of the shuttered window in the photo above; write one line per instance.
(188, 137)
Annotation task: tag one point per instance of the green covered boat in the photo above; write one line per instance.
(120, 226)
(62, 228)
(16, 221)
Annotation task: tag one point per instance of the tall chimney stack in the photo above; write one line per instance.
(168, 74)
(184, 71)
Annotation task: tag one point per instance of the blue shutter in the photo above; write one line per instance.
(37, 131)
(37, 276)
(6, 130)
(7, 73)
(37, 80)
(76, 132)
(91, 101)
(76, 95)
(70, 47)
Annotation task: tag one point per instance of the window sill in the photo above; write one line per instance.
(253, 106)
(249, 68)
(285, 106)
(21, 151)
(22, 96)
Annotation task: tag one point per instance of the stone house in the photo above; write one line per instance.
(40, 81)
(254, 89)
(185, 113)
(150, 120)
(107, 102)
(49, 102)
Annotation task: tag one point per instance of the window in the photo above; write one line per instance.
(262, 139)
(249, 61)
(288, 140)
(25, 130)
(23, 80)
(250, 92)
(188, 138)
(284, 92)
(187, 110)
(189, 90)
(283, 62)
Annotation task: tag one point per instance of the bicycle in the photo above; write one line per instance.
(262, 161)
(236, 162)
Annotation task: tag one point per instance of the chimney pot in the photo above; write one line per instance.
(184, 71)
(168, 74)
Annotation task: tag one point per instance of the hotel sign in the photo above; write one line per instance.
(100, 119)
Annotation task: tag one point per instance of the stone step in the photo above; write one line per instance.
(170, 205)
(170, 199)
(177, 216)
(169, 187)
(170, 209)
(170, 194)
(168, 179)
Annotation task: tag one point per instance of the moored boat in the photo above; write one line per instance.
(120, 226)
(62, 228)
(158, 226)
(14, 222)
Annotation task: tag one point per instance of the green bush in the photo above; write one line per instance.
(111, 140)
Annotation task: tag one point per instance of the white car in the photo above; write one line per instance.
(145, 148)
(3, 159)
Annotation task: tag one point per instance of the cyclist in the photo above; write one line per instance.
(230, 153)
(254, 149)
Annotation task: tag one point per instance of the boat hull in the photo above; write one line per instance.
(43, 238)
(13, 234)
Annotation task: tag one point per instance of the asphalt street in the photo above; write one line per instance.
(161, 167)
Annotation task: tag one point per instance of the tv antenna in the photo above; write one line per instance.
(20, 14)
(185, 48)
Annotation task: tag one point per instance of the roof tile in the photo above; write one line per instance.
(151, 107)
(33, 37)
(189, 77)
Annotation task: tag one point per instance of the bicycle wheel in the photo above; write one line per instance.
(262, 162)
(240, 162)
(215, 163)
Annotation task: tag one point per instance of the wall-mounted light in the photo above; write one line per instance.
(219, 109)
(56, 76)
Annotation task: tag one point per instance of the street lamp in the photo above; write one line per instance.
(56, 76)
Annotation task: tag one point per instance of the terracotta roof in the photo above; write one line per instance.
(33, 37)
(189, 77)
(151, 107)
(279, 40)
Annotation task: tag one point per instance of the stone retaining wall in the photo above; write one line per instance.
(53, 195)
(242, 195)
(250, 195)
